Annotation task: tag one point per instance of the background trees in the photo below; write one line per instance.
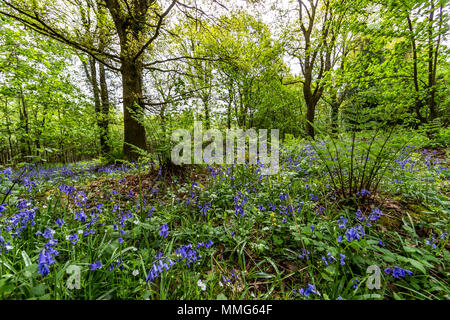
(308, 64)
(42, 109)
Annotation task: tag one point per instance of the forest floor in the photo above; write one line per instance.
(227, 232)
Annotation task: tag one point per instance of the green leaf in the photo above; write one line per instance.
(327, 277)
(6, 286)
(39, 290)
(26, 259)
(221, 296)
(397, 297)
(418, 265)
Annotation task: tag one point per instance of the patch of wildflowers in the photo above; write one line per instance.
(164, 231)
(96, 265)
(397, 272)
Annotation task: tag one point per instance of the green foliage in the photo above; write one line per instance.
(371, 191)
(261, 227)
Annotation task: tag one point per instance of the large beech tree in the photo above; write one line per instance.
(135, 25)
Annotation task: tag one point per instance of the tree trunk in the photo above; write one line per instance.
(21, 133)
(230, 101)
(310, 107)
(8, 129)
(431, 78)
(103, 122)
(134, 131)
(417, 100)
(310, 111)
(101, 103)
(207, 119)
(334, 117)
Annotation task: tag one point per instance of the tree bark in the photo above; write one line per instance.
(103, 122)
(431, 72)
(334, 114)
(98, 103)
(25, 138)
(310, 103)
(134, 131)
(130, 28)
(207, 118)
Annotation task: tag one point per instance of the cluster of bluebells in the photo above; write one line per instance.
(432, 163)
(407, 164)
(186, 253)
(206, 245)
(357, 232)
(72, 238)
(164, 231)
(45, 260)
(351, 233)
(34, 174)
(2, 208)
(41, 173)
(205, 207)
(29, 184)
(96, 265)
(375, 214)
(397, 272)
(123, 217)
(118, 264)
(363, 193)
(18, 222)
(433, 242)
(304, 254)
(310, 289)
(67, 190)
(158, 267)
(286, 209)
(226, 280)
(238, 204)
(5, 174)
(329, 259)
(4, 245)
(47, 255)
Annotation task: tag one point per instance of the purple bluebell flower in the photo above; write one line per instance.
(304, 254)
(204, 209)
(73, 238)
(342, 222)
(375, 214)
(342, 259)
(60, 222)
(164, 231)
(96, 265)
(45, 260)
(397, 272)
